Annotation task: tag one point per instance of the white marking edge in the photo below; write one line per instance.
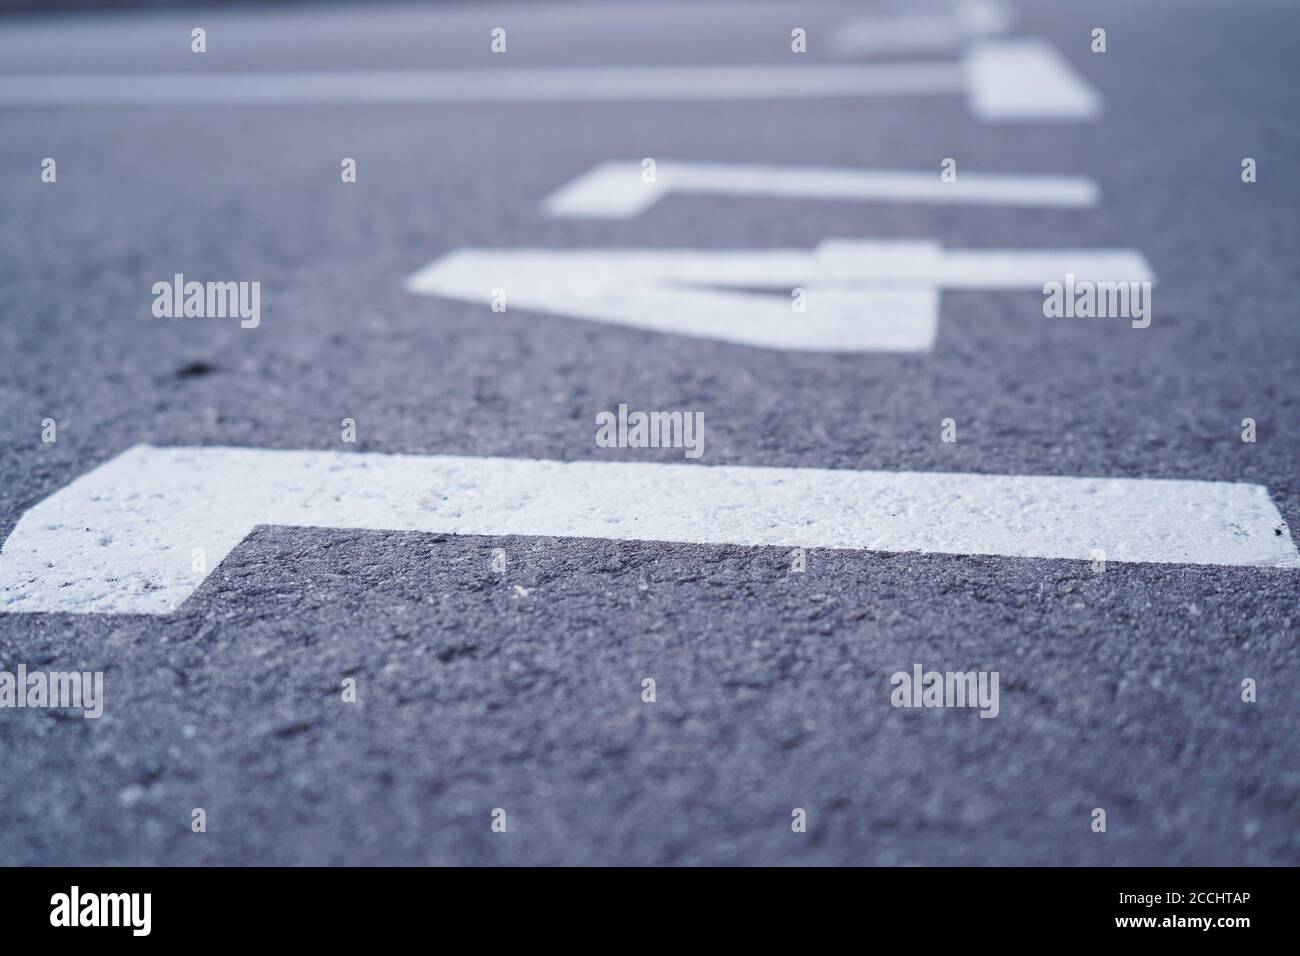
(615, 189)
(120, 539)
(860, 295)
(996, 81)
(922, 27)
(1026, 80)
(480, 85)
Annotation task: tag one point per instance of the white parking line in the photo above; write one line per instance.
(994, 78)
(616, 190)
(1026, 80)
(471, 86)
(859, 295)
(921, 28)
(122, 539)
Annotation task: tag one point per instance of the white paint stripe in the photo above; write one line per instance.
(120, 539)
(470, 86)
(861, 295)
(985, 17)
(925, 32)
(912, 262)
(615, 190)
(993, 83)
(921, 28)
(1026, 80)
(659, 292)
(1031, 268)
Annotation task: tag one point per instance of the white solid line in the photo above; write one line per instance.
(122, 539)
(859, 295)
(927, 32)
(995, 81)
(472, 86)
(615, 189)
(922, 29)
(1026, 80)
(985, 17)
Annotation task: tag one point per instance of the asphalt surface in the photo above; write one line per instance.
(1119, 690)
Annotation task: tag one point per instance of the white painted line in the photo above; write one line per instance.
(922, 28)
(1026, 80)
(860, 295)
(473, 86)
(1031, 268)
(992, 83)
(925, 32)
(985, 17)
(121, 539)
(615, 190)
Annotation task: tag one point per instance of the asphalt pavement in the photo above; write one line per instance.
(522, 690)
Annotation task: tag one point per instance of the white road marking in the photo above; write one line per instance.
(615, 190)
(121, 539)
(470, 86)
(994, 86)
(861, 295)
(1026, 80)
(985, 17)
(922, 28)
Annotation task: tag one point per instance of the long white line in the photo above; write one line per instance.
(122, 538)
(858, 295)
(922, 28)
(994, 76)
(617, 189)
(472, 86)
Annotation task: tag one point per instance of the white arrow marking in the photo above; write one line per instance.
(615, 190)
(919, 28)
(120, 539)
(994, 77)
(861, 296)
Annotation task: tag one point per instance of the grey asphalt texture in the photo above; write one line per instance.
(1119, 690)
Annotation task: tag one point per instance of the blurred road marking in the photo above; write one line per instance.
(469, 86)
(615, 190)
(922, 28)
(1026, 80)
(994, 78)
(122, 538)
(860, 295)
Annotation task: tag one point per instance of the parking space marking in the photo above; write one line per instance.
(858, 295)
(922, 28)
(122, 539)
(994, 75)
(617, 190)
(1026, 80)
